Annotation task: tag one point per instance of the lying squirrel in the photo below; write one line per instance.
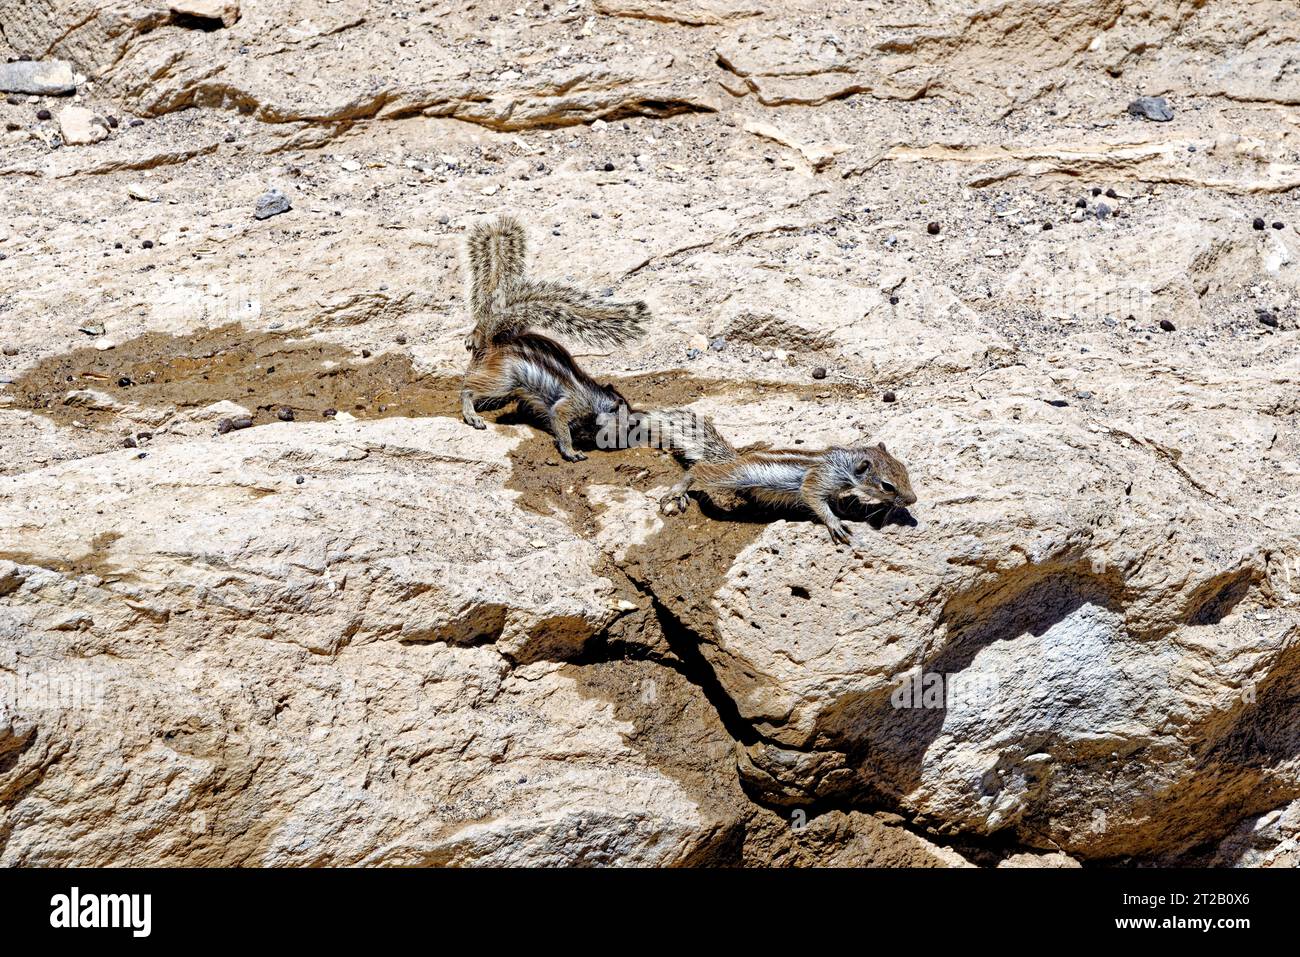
(511, 363)
(776, 477)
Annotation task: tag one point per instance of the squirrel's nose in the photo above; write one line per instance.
(907, 498)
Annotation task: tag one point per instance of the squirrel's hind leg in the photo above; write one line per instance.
(488, 379)
(678, 500)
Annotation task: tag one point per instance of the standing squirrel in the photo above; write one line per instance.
(510, 363)
(778, 477)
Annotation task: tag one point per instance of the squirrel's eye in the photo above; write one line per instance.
(887, 487)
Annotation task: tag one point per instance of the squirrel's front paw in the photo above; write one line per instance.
(573, 455)
(840, 534)
(476, 421)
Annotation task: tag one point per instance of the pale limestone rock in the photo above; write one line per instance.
(227, 11)
(81, 127)
(37, 77)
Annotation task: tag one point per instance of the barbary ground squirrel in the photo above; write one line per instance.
(785, 478)
(510, 363)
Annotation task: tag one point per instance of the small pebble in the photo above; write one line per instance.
(271, 203)
(1102, 210)
(893, 300)
(1111, 194)
(932, 228)
(124, 382)
(43, 114)
(609, 167)
(693, 353)
(889, 396)
(1277, 225)
(1258, 223)
(1155, 108)
(1266, 318)
(819, 372)
(401, 340)
(285, 414)
(11, 350)
(234, 423)
(1047, 226)
(147, 244)
(114, 122)
(1096, 191)
(129, 443)
(136, 123)
(444, 219)
(1081, 203)
(1166, 325)
(330, 413)
(299, 480)
(717, 345)
(365, 353)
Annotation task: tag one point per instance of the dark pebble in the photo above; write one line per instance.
(43, 114)
(1111, 194)
(234, 424)
(136, 123)
(114, 122)
(230, 137)
(285, 414)
(1096, 191)
(401, 340)
(889, 396)
(1047, 225)
(1266, 318)
(147, 244)
(444, 219)
(14, 101)
(1258, 223)
(932, 229)
(299, 480)
(1081, 203)
(1166, 325)
(365, 353)
(819, 372)
(129, 443)
(1277, 225)
(609, 167)
(893, 300)
(124, 382)
(1058, 403)
(330, 413)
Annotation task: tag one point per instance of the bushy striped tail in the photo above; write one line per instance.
(571, 312)
(497, 252)
(691, 437)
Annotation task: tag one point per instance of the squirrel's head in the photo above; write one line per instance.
(610, 406)
(879, 477)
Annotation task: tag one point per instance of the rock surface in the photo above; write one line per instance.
(37, 77)
(80, 127)
(265, 600)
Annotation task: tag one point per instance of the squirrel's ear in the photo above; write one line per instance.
(881, 446)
